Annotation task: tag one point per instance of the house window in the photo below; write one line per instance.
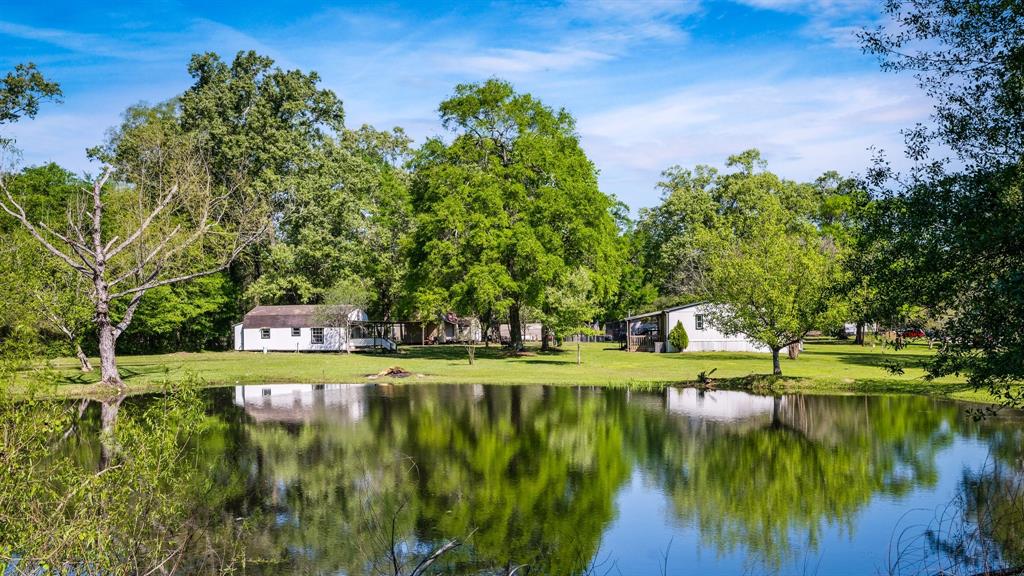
(699, 318)
(296, 332)
(317, 335)
(266, 391)
(265, 333)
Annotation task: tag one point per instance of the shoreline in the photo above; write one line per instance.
(825, 367)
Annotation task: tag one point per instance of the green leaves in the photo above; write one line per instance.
(750, 243)
(23, 90)
(508, 207)
(678, 336)
(948, 233)
(571, 303)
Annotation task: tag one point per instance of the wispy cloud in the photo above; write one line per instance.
(653, 83)
(510, 61)
(96, 44)
(834, 21)
(632, 20)
(803, 126)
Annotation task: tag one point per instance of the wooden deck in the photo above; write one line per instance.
(643, 343)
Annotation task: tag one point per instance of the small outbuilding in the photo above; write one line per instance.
(649, 332)
(306, 328)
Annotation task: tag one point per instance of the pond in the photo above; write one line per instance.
(563, 480)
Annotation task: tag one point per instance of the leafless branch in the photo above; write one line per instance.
(144, 225)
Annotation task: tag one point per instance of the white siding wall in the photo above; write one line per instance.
(719, 405)
(709, 339)
(281, 340)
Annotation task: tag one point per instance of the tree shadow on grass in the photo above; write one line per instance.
(128, 373)
(458, 352)
(876, 359)
(446, 352)
(550, 360)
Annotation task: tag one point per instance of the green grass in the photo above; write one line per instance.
(824, 367)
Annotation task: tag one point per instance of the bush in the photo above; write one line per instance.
(678, 337)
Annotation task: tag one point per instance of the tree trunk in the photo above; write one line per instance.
(108, 418)
(776, 367)
(108, 355)
(793, 350)
(859, 338)
(82, 359)
(544, 332)
(578, 359)
(515, 332)
(776, 411)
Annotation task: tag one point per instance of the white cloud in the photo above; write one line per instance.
(802, 126)
(511, 61)
(60, 137)
(632, 20)
(835, 21)
(97, 44)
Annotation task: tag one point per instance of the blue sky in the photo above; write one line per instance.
(651, 83)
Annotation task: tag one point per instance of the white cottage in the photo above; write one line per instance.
(303, 402)
(304, 328)
(649, 332)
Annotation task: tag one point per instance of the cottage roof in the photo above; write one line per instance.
(295, 316)
(666, 310)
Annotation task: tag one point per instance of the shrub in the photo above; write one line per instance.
(678, 336)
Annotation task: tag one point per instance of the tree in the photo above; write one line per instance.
(271, 128)
(507, 206)
(665, 234)
(348, 217)
(845, 210)
(159, 221)
(774, 287)
(344, 298)
(40, 292)
(571, 306)
(22, 91)
(678, 336)
(61, 295)
(635, 290)
(767, 270)
(950, 228)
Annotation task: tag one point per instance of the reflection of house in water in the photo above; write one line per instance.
(303, 402)
(719, 405)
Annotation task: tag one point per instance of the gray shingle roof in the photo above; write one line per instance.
(295, 316)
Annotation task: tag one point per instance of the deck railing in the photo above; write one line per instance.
(640, 343)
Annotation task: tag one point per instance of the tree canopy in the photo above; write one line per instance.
(507, 206)
(949, 229)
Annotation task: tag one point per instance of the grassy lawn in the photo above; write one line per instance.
(824, 367)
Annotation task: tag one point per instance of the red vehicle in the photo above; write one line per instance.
(913, 333)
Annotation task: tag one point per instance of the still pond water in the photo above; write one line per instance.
(602, 481)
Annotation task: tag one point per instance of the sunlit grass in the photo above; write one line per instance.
(825, 367)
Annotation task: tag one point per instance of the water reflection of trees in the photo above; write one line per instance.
(131, 501)
(981, 529)
(772, 487)
(528, 476)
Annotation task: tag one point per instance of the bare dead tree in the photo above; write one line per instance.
(156, 221)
